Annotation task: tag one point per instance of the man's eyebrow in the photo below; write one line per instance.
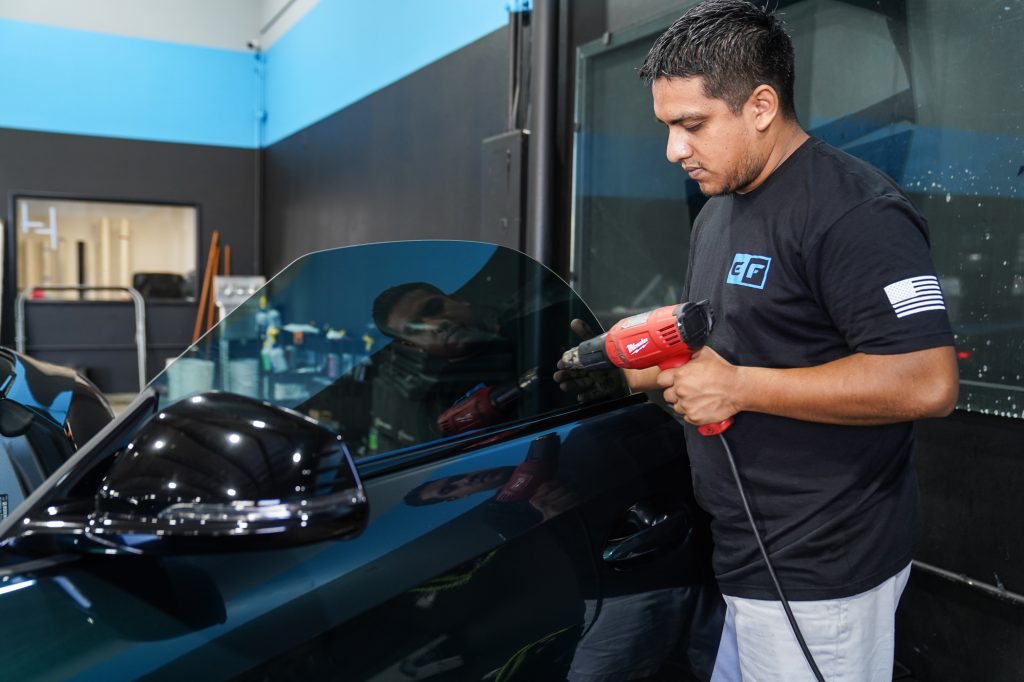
(682, 118)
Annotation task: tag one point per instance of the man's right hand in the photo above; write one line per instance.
(588, 385)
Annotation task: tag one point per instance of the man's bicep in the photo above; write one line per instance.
(926, 381)
(875, 277)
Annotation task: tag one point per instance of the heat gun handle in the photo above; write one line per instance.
(703, 429)
(674, 361)
(714, 429)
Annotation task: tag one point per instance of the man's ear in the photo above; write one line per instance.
(763, 105)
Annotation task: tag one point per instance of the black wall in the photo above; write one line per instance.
(102, 347)
(220, 181)
(403, 163)
(971, 469)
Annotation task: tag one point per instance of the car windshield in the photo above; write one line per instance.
(394, 344)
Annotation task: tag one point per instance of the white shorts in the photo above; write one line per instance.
(851, 639)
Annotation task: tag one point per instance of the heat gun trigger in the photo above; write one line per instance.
(704, 429)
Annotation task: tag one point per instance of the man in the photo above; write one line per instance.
(421, 315)
(831, 337)
(445, 346)
(451, 345)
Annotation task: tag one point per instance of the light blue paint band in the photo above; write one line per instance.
(343, 51)
(67, 81)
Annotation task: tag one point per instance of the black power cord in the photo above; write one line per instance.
(768, 564)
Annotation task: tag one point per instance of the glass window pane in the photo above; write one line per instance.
(395, 344)
(99, 243)
(632, 210)
(926, 90)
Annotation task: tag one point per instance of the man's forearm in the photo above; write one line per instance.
(859, 389)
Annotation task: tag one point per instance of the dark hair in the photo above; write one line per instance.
(389, 298)
(733, 45)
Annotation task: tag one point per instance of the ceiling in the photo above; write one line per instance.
(227, 24)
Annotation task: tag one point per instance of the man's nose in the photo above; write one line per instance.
(678, 148)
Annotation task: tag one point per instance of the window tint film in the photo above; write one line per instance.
(632, 210)
(926, 90)
(395, 344)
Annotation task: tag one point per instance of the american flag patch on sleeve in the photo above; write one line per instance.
(915, 295)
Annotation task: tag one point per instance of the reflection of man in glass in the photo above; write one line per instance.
(535, 480)
(467, 360)
(550, 498)
(458, 486)
(421, 315)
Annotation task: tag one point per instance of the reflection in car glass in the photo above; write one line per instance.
(395, 344)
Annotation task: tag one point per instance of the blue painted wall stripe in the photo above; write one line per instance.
(67, 81)
(344, 50)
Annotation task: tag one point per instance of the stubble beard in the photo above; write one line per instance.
(745, 172)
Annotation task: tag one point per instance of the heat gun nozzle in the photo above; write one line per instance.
(571, 358)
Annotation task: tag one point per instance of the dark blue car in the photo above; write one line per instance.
(366, 472)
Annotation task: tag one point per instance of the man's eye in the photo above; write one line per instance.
(695, 127)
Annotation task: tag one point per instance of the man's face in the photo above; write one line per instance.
(463, 485)
(717, 148)
(438, 324)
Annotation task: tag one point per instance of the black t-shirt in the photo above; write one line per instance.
(826, 258)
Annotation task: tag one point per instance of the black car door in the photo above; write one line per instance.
(514, 533)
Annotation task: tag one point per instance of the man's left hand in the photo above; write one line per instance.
(586, 385)
(703, 390)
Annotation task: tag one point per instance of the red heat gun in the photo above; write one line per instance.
(665, 337)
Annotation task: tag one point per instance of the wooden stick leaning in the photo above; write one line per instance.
(207, 285)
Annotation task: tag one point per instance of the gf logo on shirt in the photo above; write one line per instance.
(749, 270)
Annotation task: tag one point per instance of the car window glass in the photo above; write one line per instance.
(394, 344)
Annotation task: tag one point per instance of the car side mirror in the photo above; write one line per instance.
(214, 472)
